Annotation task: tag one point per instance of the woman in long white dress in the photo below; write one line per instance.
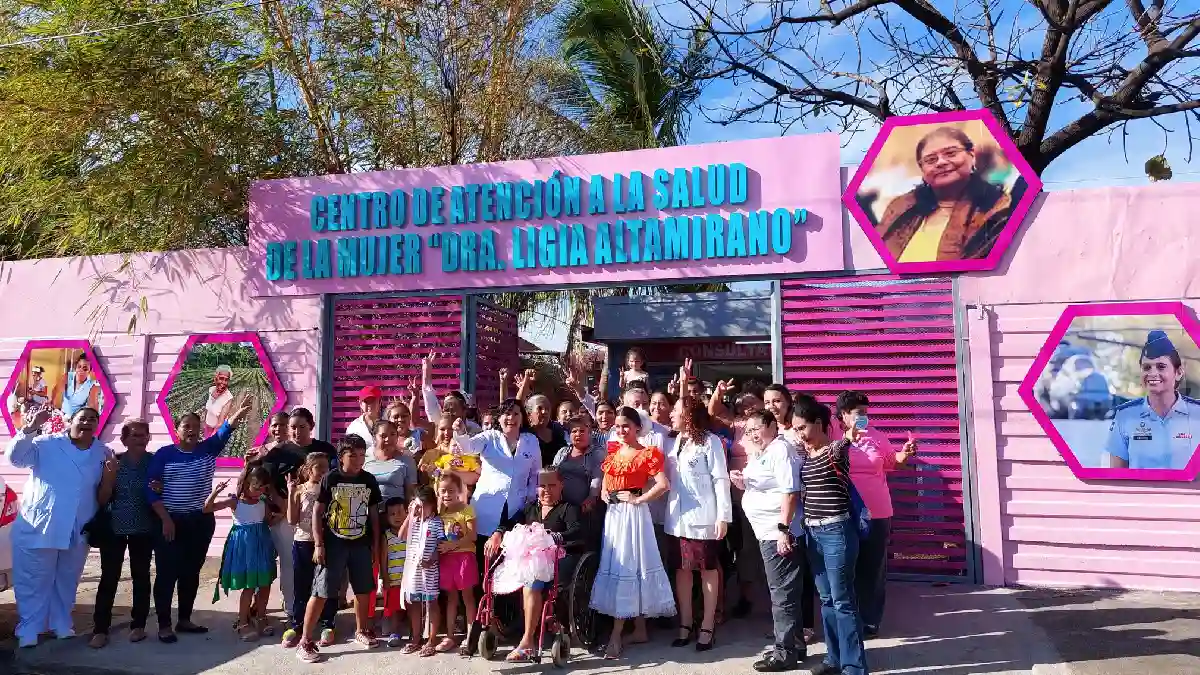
(631, 581)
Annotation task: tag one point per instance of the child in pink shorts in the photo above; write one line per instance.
(458, 570)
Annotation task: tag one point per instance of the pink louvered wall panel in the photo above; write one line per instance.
(495, 348)
(892, 339)
(381, 341)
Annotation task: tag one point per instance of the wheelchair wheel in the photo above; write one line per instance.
(583, 619)
(487, 644)
(560, 651)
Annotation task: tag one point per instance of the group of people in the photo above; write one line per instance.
(664, 486)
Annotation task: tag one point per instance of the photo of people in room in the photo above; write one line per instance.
(1120, 390)
(63, 380)
(940, 192)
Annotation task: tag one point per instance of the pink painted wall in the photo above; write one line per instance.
(196, 291)
(1039, 525)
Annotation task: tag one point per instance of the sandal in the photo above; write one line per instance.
(687, 637)
(411, 648)
(520, 655)
(428, 649)
(464, 650)
(248, 633)
(612, 652)
(264, 627)
(446, 645)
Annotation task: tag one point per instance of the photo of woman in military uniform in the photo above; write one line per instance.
(1121, 391)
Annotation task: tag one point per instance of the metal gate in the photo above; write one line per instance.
(893, 339)
(493, 345)
(380, 341)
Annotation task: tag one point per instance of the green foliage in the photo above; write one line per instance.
(621, 79)
(1157, 168)
(209, 355)
(148, 137)
(140, 139)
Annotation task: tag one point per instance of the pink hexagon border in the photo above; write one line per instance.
(110, 397)
(1190, 325)
(1010, 229)
(272, 378)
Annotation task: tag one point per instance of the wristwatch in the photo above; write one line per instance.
(784, 529)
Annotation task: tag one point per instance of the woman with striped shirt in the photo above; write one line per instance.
(832, 534)
(180, 478)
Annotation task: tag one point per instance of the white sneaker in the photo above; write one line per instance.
(67, 635)
(27, 643)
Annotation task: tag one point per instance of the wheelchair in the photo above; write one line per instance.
(567, 615)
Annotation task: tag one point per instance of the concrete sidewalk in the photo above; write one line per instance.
(948, 630)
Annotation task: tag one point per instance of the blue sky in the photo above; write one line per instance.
(1095, 163)
(1098, 162)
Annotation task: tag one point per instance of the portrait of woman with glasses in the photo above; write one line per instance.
(959, 207)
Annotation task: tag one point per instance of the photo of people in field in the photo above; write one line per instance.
(214, 381)
(1120, 390)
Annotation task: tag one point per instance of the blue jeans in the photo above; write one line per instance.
(870, 574)
(833, 552)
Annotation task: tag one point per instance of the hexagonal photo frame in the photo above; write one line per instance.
(1114, 388)
(211, 375)
(944, 192)
(63, 375)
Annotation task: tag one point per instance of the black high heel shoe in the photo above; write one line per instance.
(712, 639)
(684, 641)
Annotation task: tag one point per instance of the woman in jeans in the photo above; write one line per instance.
(133, 526)
(184, 474)
(833, 536)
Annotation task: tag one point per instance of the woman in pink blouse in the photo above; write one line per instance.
(750, 570)
(871, 458)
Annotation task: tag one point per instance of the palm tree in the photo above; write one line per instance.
(620, 85)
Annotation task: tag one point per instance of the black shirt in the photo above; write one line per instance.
(348, 504)
(826, 479)
(319, 446)
(556, 439)
(282, 461)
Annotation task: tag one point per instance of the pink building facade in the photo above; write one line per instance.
(187, 292)
(995, 503)
(1039, 525)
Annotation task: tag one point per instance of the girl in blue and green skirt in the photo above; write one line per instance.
(248, 562)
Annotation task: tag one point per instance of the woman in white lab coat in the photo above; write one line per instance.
(49, 549)
(698, 516)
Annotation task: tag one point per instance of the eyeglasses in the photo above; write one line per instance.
(949, 154)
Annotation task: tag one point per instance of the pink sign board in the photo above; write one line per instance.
(755, 208)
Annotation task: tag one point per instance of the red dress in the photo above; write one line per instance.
(631, 473)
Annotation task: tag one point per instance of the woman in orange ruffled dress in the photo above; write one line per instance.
(631, 582)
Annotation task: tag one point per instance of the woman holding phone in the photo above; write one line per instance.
(871, 459)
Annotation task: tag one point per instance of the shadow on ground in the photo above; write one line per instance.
(948, 630)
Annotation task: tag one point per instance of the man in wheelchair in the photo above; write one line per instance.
(566, 524)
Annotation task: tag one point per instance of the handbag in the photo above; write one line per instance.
(99, 530)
